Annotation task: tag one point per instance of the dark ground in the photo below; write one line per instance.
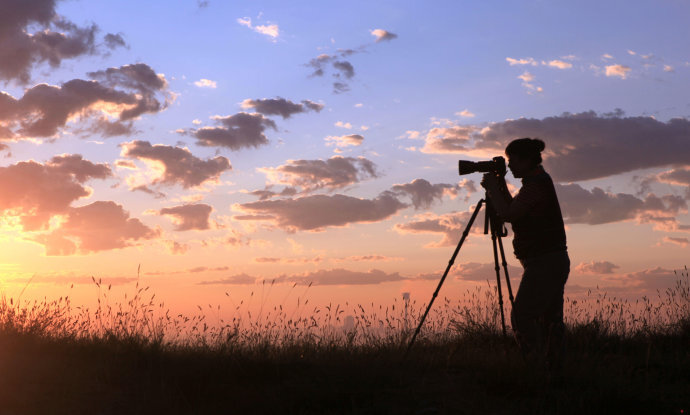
(477, 374)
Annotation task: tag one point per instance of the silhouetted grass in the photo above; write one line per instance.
(134, 357)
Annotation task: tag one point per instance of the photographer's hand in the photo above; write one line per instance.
(492, 183)
(496, 190)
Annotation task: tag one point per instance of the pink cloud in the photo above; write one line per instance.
(596, 267)
(677, 241)
(450, 225)
(35, 192)
(99, 226)
(189, 217)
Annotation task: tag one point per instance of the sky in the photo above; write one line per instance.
(212, 149)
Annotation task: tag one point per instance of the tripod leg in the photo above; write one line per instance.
(445, 274)
(498, 279)
(505, 269)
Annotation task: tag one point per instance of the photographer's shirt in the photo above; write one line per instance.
(540, 230)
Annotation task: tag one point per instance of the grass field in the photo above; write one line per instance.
(132, 358)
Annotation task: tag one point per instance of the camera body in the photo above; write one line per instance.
(497, 166)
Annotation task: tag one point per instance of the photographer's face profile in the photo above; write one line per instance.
(519, 166)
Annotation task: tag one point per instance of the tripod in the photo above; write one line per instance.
(495, 225)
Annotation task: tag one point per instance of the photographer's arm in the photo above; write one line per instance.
(504, 204)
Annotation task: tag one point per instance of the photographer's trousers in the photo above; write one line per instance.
(537, 315)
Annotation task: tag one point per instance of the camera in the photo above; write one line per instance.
(497, 166)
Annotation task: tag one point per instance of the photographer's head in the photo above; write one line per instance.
(524, 156)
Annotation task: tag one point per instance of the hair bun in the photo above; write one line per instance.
(538, 144)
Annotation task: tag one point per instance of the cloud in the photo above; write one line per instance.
(126, 164)
(423, 193)
(344, 140)
(676, 177)
(649, 279)
(68, 278)
(189, 217)
(559, 64)
(345, 125)
(669, 68)
(239, 279)
(527, 79)
(314, 213)
(289, 261)
(677, 241)
(238, 131)
(465, 113)
(620, 71)
(266, 193)
(180, 166)
(340, 87)
(206, 269)
(205, 83)
(335, 173)
(475, 271)
(281, 106)
(336, 276)
(522, 61)
(99, 226)
(450, 225)
(596, 206)
(341, 276)
(383, 35)
(139, 77)
(54, 40)
(114, 41)
(367, 258)
(454, 139)
(345, 69)
(596, 267)
(106, 128)
(581, 146)
(341, 69)
(145, 189)
(272, 31)
(44, 109)
(35, 192)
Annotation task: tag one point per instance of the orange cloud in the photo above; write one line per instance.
(99, 226)
(35, 192)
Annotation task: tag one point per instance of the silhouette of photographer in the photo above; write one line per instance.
(540, 245)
